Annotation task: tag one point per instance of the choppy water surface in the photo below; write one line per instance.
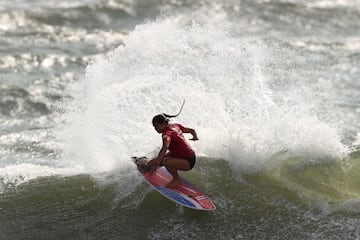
(272, 87)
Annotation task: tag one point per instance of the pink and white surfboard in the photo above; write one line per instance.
(184, 193)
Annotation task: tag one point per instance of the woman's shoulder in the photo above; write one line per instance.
(175, 126)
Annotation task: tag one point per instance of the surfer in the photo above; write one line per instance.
(175, 154)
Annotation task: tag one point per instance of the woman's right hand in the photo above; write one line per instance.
(152, 163)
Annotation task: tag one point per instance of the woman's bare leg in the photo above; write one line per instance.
(173, 165)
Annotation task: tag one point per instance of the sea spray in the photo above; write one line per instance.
(223, 79)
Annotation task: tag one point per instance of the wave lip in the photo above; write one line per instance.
(14, 175)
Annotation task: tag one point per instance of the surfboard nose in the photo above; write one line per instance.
(141, 164)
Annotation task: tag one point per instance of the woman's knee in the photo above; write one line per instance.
(165, 161)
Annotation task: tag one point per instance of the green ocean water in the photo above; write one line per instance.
(316, 202)
(271, 87)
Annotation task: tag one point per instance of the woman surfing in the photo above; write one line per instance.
(175, 153)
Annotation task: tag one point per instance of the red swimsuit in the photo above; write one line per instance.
(178, 146)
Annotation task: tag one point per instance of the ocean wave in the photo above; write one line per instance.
(270, 86)
(250, 118)
(18, 102)
(14, 175)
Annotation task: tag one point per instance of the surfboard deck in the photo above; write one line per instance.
(183, 193)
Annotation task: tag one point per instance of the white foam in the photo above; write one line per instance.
(228, 100)
(20, 173)
(357, 140)
(333, 3)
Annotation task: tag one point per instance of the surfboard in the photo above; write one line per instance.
(183, 193)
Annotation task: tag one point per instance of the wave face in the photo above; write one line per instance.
(270, 86)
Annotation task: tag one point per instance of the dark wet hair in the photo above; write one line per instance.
(160, 119)
(164, 118)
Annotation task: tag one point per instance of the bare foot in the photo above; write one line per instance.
(173, 183)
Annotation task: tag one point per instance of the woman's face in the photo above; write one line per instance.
(159, 127)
